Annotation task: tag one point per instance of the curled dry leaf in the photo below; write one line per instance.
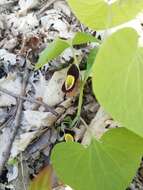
(13, 172)
(12, 83)
(23, 25)
(21, 143)
(50, 91)
(98, 126)
(9, 45)
(53, 94)
(43, 180)
(6, 57)
(26, 5)
(31, 126)
(52, 21)
(35, 121)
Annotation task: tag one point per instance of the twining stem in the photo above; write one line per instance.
(83, 81)
(77, 118)
(80, 99)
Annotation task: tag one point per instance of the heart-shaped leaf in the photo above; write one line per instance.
(109, 164)
(118, 79)
(98, 14)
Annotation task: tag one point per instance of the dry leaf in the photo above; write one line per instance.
(43, 181)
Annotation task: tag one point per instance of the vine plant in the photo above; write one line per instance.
(116, 68)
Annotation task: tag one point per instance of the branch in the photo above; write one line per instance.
(10, 132)
(45, 7)
(32, 100)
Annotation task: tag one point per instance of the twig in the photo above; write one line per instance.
(11, 131)
(32, 100)
(46, 7)
(61, 109)
(8, 119)
(84, 123)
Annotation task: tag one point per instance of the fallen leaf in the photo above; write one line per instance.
(43, 181)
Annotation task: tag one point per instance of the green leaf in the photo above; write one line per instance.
(90, 62)
(43, 181)
(118, 79)
(13, 161)
(53, 50)
(109, 164)
(98, 14)
(83, 38)
(56, 47)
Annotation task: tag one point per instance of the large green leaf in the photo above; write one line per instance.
(53, 50)
(109, 164)
(98, 14)
(118, 79)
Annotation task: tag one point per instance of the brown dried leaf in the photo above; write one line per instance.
(43, 181)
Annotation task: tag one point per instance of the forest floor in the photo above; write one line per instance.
(29, 128)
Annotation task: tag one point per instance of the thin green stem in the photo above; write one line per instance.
(80, 101)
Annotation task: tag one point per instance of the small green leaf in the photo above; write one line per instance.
(109, 164)
(56, 47)
(53, 50)
(83, 38)
(98, 14)
(13, 161)
(118, 79)
(90, 61)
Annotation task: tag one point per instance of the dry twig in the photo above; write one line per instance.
(43, 140)
(32, 100)
(45, 7)
(9, 118)
(10, 132)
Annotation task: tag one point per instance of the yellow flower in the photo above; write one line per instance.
(68, 137)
